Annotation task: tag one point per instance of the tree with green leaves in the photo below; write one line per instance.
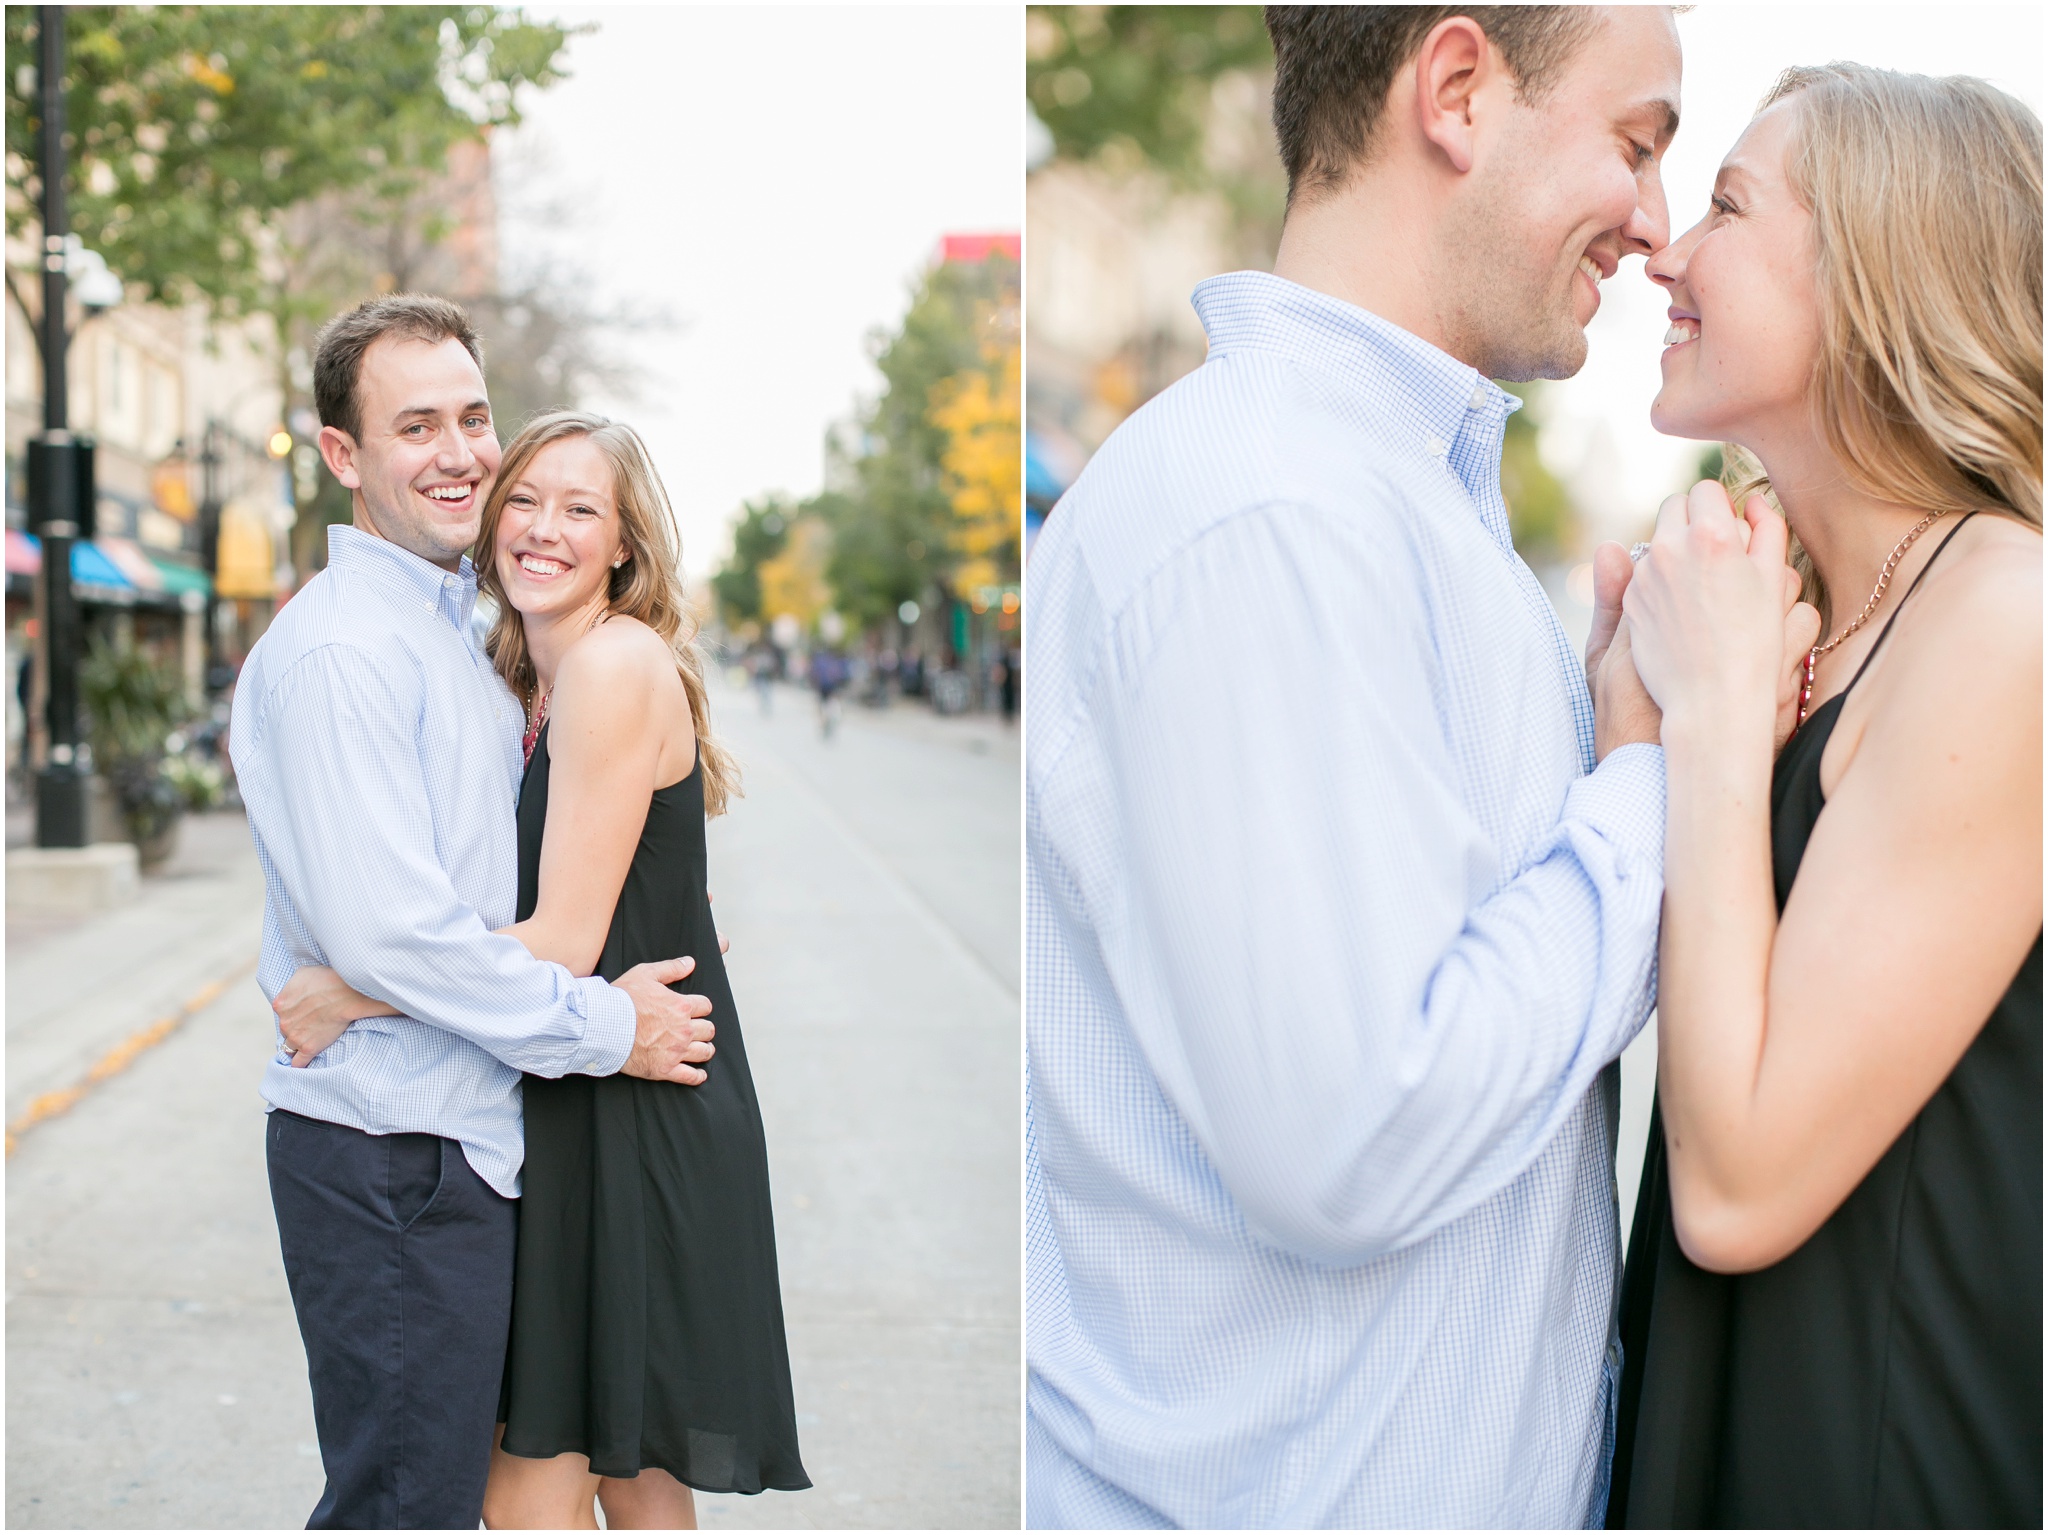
(757, 538)
(892, 521)
(889, 502)
(1541, 514)
(1140, 75)
(195, 129)
(286, 161)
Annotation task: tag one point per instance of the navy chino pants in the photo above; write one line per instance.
(400, 1263)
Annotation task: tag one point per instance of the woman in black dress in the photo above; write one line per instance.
(1832, 1309)
(647, 1354)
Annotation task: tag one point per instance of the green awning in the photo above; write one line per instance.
(180, 579)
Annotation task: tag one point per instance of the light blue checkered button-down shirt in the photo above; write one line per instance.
(1332, 927)
(378, 754)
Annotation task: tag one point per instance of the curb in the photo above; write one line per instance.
(122, 1056)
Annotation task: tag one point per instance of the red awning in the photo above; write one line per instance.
(24, 555)
(975, 248)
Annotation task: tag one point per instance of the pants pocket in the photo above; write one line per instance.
(415, 1174)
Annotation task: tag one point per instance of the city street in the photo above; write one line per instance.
(869, 887)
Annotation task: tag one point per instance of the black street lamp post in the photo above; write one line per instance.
(60, 488)
(209, 545)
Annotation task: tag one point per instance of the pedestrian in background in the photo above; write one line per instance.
(828, 676)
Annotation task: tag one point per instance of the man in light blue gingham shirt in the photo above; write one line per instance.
(1333, 929)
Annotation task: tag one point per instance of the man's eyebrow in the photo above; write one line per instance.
(434, 410)
(1658, 110)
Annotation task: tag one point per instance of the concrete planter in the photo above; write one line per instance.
(71, 881)
(154, 851)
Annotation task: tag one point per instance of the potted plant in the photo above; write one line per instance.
(135, 705)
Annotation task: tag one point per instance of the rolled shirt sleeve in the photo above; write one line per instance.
(369, 885)
(1369, 1026)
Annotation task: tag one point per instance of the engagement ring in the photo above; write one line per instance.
(1637, 551)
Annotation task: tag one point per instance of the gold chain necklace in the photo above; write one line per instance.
(1884, 580)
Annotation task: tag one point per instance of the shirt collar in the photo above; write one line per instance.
(451, 593)
(1445, 399)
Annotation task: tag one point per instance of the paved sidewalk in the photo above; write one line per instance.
(154, 1371)
(869, 886)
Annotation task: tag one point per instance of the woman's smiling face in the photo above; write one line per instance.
(1745, 314)
(560, 535)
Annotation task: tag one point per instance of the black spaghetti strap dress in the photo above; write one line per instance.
(646, 1309)
(1888, 1373)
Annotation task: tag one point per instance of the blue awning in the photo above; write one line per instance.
(94, 575)
(1041, 484)
(91, 567)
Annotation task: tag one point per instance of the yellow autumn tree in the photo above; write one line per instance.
(980, 411)
(793, 582)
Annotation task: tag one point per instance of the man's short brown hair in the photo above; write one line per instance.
(1334, 64)
(338, 352)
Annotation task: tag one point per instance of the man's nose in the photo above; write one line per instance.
(1649, 227)
(454, 454)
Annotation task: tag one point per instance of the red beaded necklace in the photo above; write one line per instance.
(528, 741)
(532, 736)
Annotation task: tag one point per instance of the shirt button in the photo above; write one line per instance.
(1437, 447)
(1478, 396)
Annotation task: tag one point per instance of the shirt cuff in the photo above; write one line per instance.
(1623, 800)
(608, 1034)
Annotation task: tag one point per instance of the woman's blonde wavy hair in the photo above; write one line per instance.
(1926, 201)
(648, 586)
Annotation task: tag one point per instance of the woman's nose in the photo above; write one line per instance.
(1666, 268)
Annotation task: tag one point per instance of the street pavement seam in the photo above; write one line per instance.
(122, 1056)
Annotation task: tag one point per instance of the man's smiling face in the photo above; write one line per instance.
(1569, 186)
(428, 449)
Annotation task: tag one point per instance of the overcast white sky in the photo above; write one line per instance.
(1732, 54)
(775, 177)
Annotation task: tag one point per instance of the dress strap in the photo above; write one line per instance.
(1883, 633)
